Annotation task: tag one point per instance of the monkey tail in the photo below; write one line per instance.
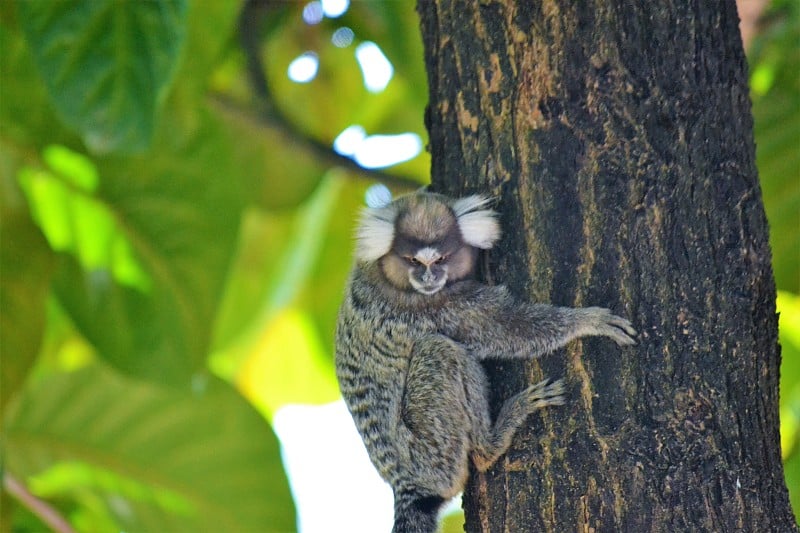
(416, 514)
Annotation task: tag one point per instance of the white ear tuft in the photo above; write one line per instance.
(469, 204)
(375, 232)
(479, 227)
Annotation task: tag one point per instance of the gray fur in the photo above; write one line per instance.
(409, 364)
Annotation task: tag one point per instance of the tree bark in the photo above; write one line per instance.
(617, 137)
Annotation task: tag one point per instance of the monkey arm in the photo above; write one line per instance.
(491, 323)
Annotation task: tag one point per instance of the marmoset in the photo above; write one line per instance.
(411, 333)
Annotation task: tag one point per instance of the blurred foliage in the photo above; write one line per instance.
(160, 232)
(775, 89)
(78, 48)
(126, 454)
(174, 246)
(774, 58)
(789, 309)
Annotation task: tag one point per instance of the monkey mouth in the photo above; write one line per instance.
(428, 288)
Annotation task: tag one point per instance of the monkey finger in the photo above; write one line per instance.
(546, 393)
(623, 324)
(620, 337)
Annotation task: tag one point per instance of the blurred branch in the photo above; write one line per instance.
(251, 18)
(266, 120)
(44, 511)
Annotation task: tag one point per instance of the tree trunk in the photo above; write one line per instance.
(617, 137)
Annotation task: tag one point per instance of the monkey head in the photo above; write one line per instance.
(423, 241)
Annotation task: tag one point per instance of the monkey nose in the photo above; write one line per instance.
(428, 276)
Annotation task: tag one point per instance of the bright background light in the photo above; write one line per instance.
(335, 8)
(378, 195)
(377, 151)
(313, 13)
(304, 68)
(375, 67)
(335, 486)
(347, 142)
(342, 37)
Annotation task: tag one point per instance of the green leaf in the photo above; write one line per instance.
(791, 470)
(74, 220)
(277, 254)
(453, 522)
(211, 27)
(271, 380)
(324, 291)
(26, 113)
(150, 458)
(107, 65)
(277, 172)
(148, 255)
(260, 320)
(180, 221)
(26, 264)
(777, 132)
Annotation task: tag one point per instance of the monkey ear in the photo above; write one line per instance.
(479, 227)
(375, 232)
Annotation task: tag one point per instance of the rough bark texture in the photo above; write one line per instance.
(618, 138)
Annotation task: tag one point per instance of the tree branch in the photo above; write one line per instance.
(46, 513)
(265, 120)
(250, 19)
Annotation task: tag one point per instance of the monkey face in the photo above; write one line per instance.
(422, 242)
(427, 271)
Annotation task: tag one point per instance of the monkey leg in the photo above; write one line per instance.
(494, 441)
(434, 410)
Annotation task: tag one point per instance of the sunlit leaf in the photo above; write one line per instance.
(288, 364)
(774, 59)
(323, 294)
(762, 79)
(778, 158)
(106, 64)
(791, 469)
(76, 221)
(789, 308)
(453, 522)
(179, 219)
(269, 344)
(156, 459)
(75, 168)
(266, 283)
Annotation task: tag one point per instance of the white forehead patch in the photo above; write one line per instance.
(427, 255)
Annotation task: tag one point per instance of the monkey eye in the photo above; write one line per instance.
(412, 260)
(441, 260)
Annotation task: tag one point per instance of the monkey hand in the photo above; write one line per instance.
(600, 321)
